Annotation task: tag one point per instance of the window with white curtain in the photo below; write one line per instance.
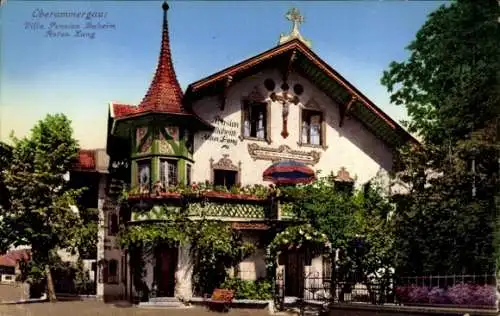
(168, 172)
(311, 127)
(254, 120)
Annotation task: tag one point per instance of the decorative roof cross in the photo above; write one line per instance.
(293, 15)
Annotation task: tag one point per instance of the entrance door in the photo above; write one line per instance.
(166, 261)
(294, 274)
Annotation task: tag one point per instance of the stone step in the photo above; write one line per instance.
(175, 303)
(164, 299)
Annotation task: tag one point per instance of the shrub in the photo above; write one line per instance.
(484, 295)
(418, 294)
(438, 296)
(460, 293)
(402, 293)
(246, 289)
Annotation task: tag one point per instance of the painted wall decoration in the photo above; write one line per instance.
(143, 140)
(164, 147)
(283, 152)
(173, 132)
(139, 135)
(225, 132)
(147, 144)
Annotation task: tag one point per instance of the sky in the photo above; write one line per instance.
(78, 76)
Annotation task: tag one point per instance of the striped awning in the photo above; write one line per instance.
(289, 172)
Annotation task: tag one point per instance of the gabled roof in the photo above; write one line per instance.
(321, 74)
(11, 258)
(86, 160)
(164, 94)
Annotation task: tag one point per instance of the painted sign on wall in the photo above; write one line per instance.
(226, 132)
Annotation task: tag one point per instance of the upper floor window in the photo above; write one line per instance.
(225, 178)
(144, 174)
(168, 172)
(312, 124)
(255, 119)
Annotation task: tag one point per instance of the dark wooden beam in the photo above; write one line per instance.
(223, 96)
(287, 69)
(344, 110)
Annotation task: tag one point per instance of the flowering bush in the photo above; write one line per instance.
(418, 294)
(485, 295)
(459, 294)
(438, 296)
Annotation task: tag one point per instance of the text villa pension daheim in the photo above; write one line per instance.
(82, 24)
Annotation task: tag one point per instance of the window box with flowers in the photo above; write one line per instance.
(203, 190)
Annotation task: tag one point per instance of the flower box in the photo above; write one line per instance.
(208, 194)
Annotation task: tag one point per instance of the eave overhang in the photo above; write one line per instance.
(190, 120)
(310, 65)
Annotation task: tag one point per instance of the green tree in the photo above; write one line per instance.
(450, 82)
(370, 253)
(357, 222)
(39, 214)
(84, 234)
(5, 157)
(450, 85)
(328, 210)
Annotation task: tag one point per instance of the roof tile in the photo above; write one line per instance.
(164, 94)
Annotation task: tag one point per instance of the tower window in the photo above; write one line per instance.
(168, 172)
(144, 174)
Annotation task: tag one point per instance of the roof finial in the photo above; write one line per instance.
(294, 16)
(165, 6)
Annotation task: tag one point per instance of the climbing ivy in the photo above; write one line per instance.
(303, 236)
(214, 247)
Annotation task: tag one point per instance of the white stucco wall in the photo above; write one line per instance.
(351, 146)
(253, 267)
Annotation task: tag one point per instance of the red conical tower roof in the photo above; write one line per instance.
(164, 93)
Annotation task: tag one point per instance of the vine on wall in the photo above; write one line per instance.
(214, 247)
(303, 236)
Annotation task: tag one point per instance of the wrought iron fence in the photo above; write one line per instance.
(445, 281)
(322, 289)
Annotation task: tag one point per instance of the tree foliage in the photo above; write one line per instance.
(84, 234)
(39, 213)
(357, 222)
(450, 82)
(450, 85)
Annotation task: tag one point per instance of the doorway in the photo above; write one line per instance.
(166, 263)
(294, 273)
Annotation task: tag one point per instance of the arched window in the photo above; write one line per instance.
(113, 271)
(112, 224)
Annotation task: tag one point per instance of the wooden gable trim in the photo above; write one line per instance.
(241, 66)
